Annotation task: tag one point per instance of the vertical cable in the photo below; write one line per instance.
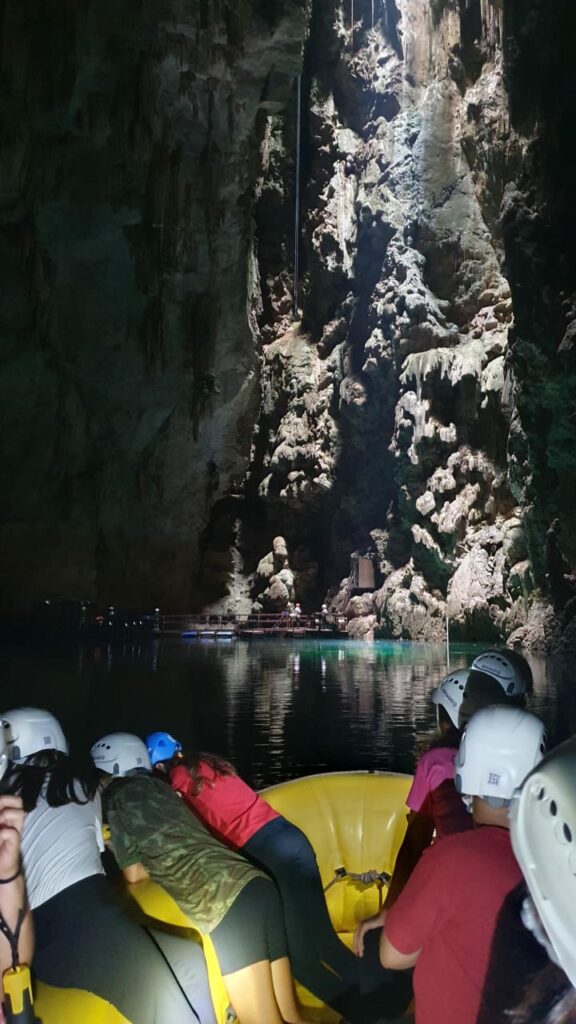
(297, 196)
(352, 24)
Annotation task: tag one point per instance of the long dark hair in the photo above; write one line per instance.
(59, 778)
(194, 762)
(449, 736)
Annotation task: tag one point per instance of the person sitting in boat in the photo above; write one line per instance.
(242, 819)
(496, 676)
(435, 808)
(153, 835)
(18, 945)
(531, 978)
(84, 940)
(444, 921)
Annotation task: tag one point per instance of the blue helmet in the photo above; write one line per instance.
(162, 746)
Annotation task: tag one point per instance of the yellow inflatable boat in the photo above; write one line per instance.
(355, 821)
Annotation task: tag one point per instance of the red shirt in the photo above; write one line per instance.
(226, 804)
(449, 910)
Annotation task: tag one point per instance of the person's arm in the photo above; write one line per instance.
(419, 911)
(12, 888)
(135, 873)
(393, 959)
(124, 846)
(417, 839)
(367, 925)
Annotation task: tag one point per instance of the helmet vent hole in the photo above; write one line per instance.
(541, 793)
(563, 833)
(553, 808)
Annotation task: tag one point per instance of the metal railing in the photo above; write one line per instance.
(260, 622)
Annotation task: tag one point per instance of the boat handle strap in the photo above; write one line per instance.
(372, 877)
(13, 936)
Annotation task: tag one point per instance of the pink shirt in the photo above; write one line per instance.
(433, 792)
(227, 805)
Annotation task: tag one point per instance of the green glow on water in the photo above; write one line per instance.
(277, 708)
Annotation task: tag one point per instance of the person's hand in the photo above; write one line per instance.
(11, 825)
(376, 921)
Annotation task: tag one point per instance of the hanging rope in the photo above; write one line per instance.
(297, 196)
(351, 24)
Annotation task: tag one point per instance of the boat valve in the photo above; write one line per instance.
(17, 986)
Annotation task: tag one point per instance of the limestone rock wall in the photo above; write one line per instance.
(402, 437)
(129, 370)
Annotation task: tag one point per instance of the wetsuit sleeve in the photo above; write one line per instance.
(124, 845)
(418, 911)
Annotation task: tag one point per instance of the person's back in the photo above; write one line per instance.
(434, 794)
(178, 852)
(449, 910)
(61, 846)
(444, 921)
(224, 802)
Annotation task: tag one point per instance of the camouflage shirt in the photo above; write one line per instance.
(150, 824)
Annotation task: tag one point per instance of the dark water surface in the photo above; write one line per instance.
(277, 709)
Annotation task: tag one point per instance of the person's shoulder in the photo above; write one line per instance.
(455, 847)
(464, 848)
(179, 773)
(130, 788)
(436, 756)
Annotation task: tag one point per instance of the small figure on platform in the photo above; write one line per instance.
(297, 610)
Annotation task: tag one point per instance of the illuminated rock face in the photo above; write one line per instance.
(404, 321)
(165, 417)
(405, 425)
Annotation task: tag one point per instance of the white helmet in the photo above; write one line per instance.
(499, 747)
(120, 753)
(3, 753)
(450, 693)
(543, 832)
(509, 668)
(30, 731)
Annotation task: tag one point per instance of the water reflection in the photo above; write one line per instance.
(278, 709)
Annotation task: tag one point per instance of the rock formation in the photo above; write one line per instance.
(129, 374)
(415, 202)
(169, 418)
